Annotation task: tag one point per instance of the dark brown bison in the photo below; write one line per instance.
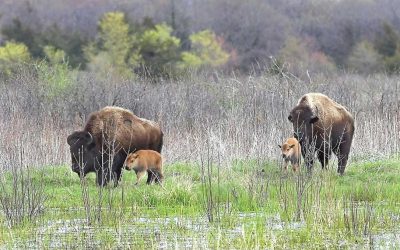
(322, 126)
(109, 135)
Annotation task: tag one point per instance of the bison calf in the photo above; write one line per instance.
(291, 152)
(143, 161)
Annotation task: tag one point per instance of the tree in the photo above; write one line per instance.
(365, 59)
(206, 51)
(392, 63)
(54, 55)
(299, 59)
(11, 56)
(387, 42)
(252, 27)
(71, 43)
(116, 49)
(36, 40)
(22, 33)
(159, 50)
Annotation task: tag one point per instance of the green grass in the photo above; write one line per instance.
(252, 209)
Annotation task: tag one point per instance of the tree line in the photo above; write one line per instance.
(166, 38)
(118, 48)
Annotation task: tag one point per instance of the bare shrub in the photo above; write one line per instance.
(22, 197)
(357, 217)
(208, 182)
(103, 201)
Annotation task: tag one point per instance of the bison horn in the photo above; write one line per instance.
(89, 137)
(71, 137)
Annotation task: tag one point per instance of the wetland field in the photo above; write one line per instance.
(224, 185)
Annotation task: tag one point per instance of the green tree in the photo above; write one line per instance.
(55, 75)
(54, 55)
(159, 50)
(36, 40)
(56, 79)
(299, 59)
(392, 63)
(387, 42)
(115, 50)
(71, 43)
(12, 55)
(365, 59)
(206, 51)
(294, 52)
(21, 33)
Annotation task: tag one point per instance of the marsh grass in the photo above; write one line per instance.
(21, 198)
(224, 186)
(332, 210)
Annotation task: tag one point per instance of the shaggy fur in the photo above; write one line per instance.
(111, 131)
(119, 128)
(322, 126)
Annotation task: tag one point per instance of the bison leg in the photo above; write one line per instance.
(117, 176)
(154, 176)
(309, 162)
(308, 155)
(139, 175)
(295, 167)
(150, 177)
(285, 164)
(159, 178)
(323, 158)
(343, 154)
(103, 177)
(342, 163)
(118, 162)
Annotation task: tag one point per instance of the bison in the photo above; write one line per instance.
(109, 135)
(322, 126)
(291, 152)
(143, 161)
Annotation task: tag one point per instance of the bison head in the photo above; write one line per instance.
(84, 154)
(287, 150)
(302, 117)
(129, 163)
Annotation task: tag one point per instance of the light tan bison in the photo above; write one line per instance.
(322, 126)
(291, 153)
(143, 161)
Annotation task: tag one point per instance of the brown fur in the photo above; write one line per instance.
(123, 130)
(111, 131)
(291, 152)
(143, 161)
(322, 126)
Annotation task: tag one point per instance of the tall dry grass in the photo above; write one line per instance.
(241, 117)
